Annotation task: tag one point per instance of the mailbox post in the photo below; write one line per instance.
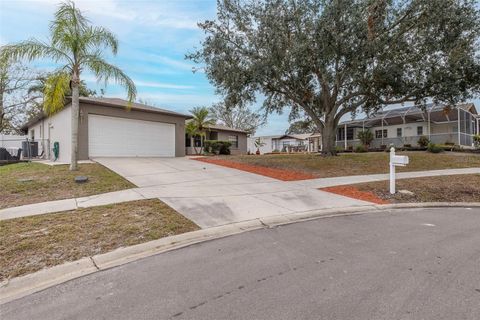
(395, 161)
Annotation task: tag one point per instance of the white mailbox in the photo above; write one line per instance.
(395, 161)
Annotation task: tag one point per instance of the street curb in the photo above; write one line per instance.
(19, 287)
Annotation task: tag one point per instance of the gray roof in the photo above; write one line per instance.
(115, 103)
(225, 128)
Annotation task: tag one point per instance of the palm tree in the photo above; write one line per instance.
(78, 46)
(202, 120)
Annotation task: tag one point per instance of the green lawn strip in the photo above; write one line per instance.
(454, 188)
(46, 183)
(347, 164)
(32, 243)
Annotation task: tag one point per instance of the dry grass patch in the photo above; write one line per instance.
(347, 164)
(455, 188)
(54, 183)
(32, 243)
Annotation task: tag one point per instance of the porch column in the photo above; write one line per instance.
(458, 121)
(428, 119)
(382, 131)
(346, 145)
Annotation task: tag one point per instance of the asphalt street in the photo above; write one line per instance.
(403, 264)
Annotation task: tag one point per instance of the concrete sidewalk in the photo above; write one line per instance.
(212, 195)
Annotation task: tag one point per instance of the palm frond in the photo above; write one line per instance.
(33, 49)
(96, 37)
(105, 71)
(56, 87)
(202, 118)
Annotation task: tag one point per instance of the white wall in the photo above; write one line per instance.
(52, 129)
(266, 148)
(11, 141)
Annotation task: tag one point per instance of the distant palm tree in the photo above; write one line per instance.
(201, 121)
(78, 46)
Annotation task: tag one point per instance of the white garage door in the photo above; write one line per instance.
(120, 137)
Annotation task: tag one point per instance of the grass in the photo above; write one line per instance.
(454, 188)
(54, 183)
(32, 243)
(358, 163)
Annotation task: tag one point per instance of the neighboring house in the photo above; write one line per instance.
(237, 137)
(282, 143)
(111, 127)
(404, 126)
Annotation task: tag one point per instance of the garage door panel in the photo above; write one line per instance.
(121, 137)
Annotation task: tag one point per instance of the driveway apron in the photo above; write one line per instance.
(212, 195)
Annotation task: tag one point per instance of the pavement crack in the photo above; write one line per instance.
(94, 263)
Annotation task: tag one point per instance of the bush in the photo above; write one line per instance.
(433, 148)
(360, 148)
(217, 146)
(366, 137)
(476, 141)
(423, 141)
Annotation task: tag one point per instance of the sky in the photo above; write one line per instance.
(154, 37)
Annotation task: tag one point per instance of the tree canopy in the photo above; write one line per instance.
(326, 59)
(238, 117)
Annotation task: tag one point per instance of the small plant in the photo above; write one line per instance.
(275, 151)
(258, 144)
(360, 148)
(433, 148)
(423, 141)
(476, 141)
(366, 137)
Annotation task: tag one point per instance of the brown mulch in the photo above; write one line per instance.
(280, 174)
(353, 192)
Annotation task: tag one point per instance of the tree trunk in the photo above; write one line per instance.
(329, 133)
(75, 116)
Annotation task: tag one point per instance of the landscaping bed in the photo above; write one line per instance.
(26, 183)
(355, 193)
(280, 174)
(31, 243)
(454, 188)
(346, 164)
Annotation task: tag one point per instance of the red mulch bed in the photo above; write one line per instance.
(352, 192)
(280, 174)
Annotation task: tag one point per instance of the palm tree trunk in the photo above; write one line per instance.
(75, 116)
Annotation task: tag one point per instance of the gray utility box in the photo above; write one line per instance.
(30, 149)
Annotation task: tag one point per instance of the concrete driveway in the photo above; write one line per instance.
(212, 195)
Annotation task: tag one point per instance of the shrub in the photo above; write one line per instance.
(217, 146)
(476, 141)
(366, 137)
(360, 148)
(423, 141)
(433, 148)
(275, 151)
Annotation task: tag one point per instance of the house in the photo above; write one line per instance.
(404, 126)
(281, 143)
(111, 127)
(237, 137)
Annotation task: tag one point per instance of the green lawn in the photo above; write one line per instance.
(346, 164)
(32, 243)
(45, 183)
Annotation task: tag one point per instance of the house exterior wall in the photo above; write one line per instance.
(266, 148)
(56, 128)
(222, 135)
(242, 141)
(86, 109)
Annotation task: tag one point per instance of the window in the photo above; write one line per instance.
(419, 131)
(378, 133)
(399, 132)
(234, 141)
